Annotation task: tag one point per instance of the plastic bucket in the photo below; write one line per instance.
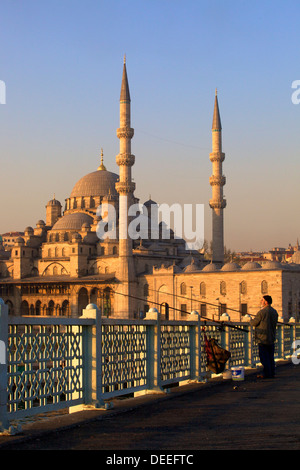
(237, 373)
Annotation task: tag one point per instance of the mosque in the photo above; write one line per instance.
(62, 265)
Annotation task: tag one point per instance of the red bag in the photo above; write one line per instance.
(216, 356)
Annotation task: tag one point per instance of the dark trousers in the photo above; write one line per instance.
(266, 355)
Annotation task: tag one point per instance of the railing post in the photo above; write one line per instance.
(94, 358)
(195, 346)
(92, 353)
(280, 333)
(4, 422)
(154, 352)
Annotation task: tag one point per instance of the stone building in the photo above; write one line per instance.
(63, 264)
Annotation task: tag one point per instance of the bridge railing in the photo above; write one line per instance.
(52, 363)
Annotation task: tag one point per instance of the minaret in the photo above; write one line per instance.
(125, 187)
(217, 181)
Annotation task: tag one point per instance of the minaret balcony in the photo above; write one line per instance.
(217, 180)
(217, 156)
(219, 204)
(125, 133)
(125, 187)
(125, 159)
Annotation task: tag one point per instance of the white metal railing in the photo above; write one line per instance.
(52, 363)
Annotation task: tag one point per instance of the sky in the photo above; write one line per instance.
(61, 64)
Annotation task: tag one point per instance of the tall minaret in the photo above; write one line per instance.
(217, 181)
(125, 187)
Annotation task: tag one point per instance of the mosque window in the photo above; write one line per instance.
(146, 290)
(243, 287)
(203, 289)
(264, 287)
(183, 289)
(223, 288)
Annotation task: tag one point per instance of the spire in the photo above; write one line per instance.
(125, 95)
(216, 119)
(101, 167)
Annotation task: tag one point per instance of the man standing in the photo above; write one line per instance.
(265, 323)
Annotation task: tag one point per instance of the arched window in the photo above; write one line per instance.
(183, 288)
(65, 308)
(107, 301)
(223, 288)
(83, 300)
(24, 308)
(38, 307)
(146, 290)
(243, 287)
(264, 287)
(203, 289)
(51, 308)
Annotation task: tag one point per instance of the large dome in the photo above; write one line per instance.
(98, 183)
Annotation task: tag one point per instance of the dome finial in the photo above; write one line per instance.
(124, 59)
(101, 167)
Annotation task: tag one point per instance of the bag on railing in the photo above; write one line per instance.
(216, 356)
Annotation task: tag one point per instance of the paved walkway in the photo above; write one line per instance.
(254, 414)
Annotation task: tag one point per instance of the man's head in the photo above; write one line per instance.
(267, 300)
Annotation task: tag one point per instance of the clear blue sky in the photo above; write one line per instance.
(62, 60)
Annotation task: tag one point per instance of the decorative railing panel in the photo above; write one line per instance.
(175, 353)
(124, 354)
(44, 367)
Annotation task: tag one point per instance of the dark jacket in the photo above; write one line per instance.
(265, 323)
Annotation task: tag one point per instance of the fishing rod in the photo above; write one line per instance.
(207, 303)
(222, 323)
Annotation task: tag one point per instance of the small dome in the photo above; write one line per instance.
(28, 230)
(272, 265)
(230, 267)
(40, 223)
(251, 266)
(54, 202)
(192, 268)
(20, 241)
(211, 267)
(73, 221)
